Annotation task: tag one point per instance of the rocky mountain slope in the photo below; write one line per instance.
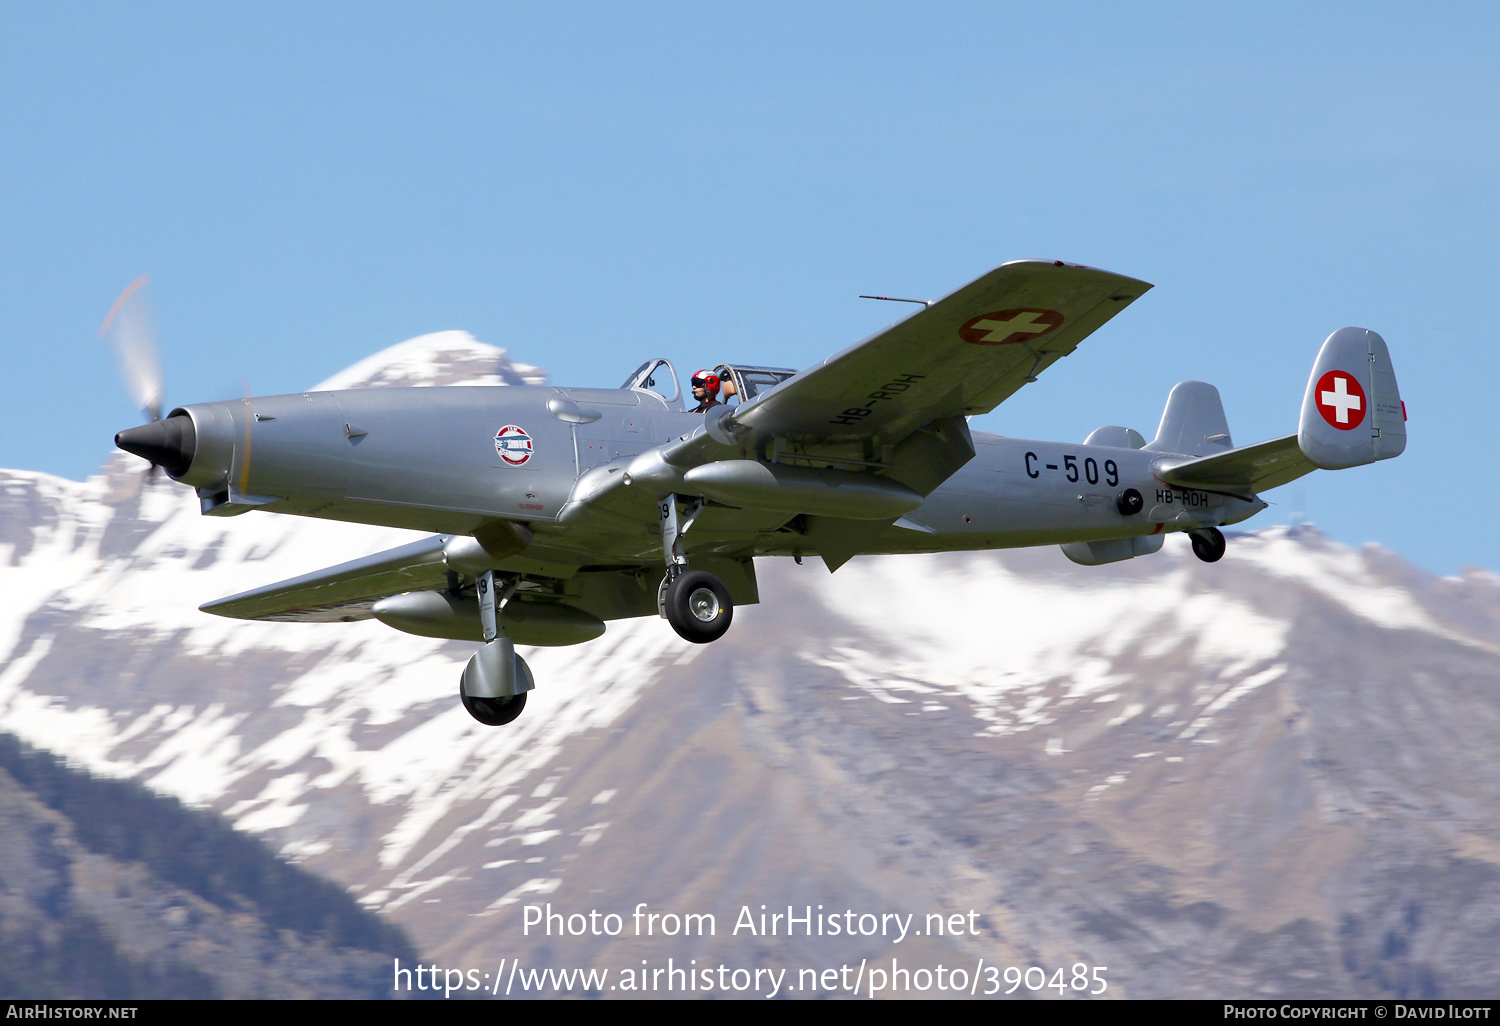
(110, 890)
(1270, 776)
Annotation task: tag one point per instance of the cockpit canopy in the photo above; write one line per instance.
(741, 382)
(656, 376)
(748, 381)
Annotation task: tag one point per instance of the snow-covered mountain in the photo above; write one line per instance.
(441, 358)
(1271, 775)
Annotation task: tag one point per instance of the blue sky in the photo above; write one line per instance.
(591, 184)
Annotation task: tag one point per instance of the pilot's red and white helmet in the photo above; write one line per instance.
(706, 380)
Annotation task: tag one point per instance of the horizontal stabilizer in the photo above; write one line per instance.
(1252, 468)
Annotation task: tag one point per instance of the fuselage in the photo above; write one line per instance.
(1017, 492)
(451, 459)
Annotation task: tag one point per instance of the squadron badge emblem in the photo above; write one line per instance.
(513, 444)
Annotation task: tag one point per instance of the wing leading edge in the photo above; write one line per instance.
(342, 592)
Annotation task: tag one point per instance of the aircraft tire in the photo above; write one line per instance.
(699, 607)
(1208, 544)
(496, 712)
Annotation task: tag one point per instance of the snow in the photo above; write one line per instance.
(441, 358)
(1000, 638)
(373, 710)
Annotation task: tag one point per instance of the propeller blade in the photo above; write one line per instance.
(130, 331)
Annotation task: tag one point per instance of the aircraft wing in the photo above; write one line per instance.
(892, 406)
(1250, 468)
(343, 592)
(962, 355)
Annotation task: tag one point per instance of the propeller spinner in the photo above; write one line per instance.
(169, 444)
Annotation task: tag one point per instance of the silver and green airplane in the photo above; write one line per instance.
(554, 510)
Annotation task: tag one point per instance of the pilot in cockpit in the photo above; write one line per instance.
(705, 390)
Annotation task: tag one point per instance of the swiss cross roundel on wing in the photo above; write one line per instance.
(1003, 327)
(513, 444)
(1341, 400)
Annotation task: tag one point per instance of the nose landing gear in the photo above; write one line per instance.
(494, 683)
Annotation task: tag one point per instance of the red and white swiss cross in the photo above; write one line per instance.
(1003, 327)
(513, 444)
(1341, 400)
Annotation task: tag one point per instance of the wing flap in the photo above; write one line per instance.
(342, 592)
(1250, 468)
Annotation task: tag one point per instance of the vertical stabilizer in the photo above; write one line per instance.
(1352, 412)
(1193, 422)
(1119, 437)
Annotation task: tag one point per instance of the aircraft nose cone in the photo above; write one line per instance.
(170, 443)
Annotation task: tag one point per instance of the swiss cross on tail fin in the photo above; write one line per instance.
(1352, 412)
(1341, 400)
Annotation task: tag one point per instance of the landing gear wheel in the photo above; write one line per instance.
(1208, 544)
(698, 606)
(497, 712)
(494, 712)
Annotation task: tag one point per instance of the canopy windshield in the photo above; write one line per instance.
(655, 376)
(747, 382)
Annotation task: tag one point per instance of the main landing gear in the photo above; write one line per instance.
(694, 602)
(1208, 544)
(697, 605)
(494, 683)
